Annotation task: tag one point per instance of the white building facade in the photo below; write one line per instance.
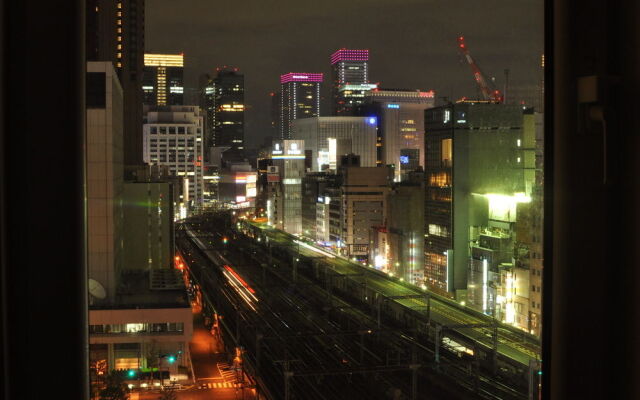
(173, 137)
(359, 132)
(289, 158)
(401, 127)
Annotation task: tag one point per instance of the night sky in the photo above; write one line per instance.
(412, 43)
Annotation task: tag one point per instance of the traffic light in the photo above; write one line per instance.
(171, 358)
(131, 373)
(225, 240)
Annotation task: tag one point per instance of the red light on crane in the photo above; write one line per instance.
(487, 87)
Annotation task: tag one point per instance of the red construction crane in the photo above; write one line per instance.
(489, 90)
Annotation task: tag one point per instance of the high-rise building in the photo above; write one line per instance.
(115, 33)
(173, 138)
(163, 82)
(350, 79)
(284, 206)
(129, 284)
(237, 187)
(327, 138)
(529, 234)
(477, 170)
(398, 244)
(363, 195)
(207, 102)
(400, 126)
(275, 114)
(228, 112)
(104, 176)
(299, 98)
(314, 185)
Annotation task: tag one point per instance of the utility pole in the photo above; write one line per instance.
(437, 344)
(494, 356)
(378, 303)
(414, 372)
(258, 351)
(428, 310)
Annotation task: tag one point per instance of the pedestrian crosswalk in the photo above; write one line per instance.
(218, 385)
(226, 371)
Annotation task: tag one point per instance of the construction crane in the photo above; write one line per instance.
(487, 87)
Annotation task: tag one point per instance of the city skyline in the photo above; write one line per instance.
(294, 38)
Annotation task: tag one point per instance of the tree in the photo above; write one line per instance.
(168, 394)
(115, 388)
(152, 356)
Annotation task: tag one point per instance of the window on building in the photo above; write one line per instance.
(446, 153)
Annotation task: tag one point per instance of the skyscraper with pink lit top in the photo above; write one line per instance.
(300, 98)
(350, 79)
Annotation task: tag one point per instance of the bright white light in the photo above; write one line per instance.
(380, 261)
(324, 253)
(246, 295)
(485, 278)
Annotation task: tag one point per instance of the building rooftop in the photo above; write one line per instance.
(160, 288)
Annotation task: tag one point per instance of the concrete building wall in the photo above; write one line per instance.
(148, 239)
(488, 159)
(406, 232)
(130, 345)
(173, 137)
(401, 128)
(364, 196)
(316, 131)
(104, 180)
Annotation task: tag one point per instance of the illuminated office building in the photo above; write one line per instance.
(173, 138)
(299, 98)
(328, 138)
(314, 207)
(163, 82)
(115, 33)
(227, 118)
(207, 103)
(275, 114)
(401, 126)
(350, 80)
(238, 186)
(363, 199)
(398, 244)
(222, 101)
(284, 206)
(478, 168)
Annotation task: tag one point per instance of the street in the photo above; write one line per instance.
(209, 361)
